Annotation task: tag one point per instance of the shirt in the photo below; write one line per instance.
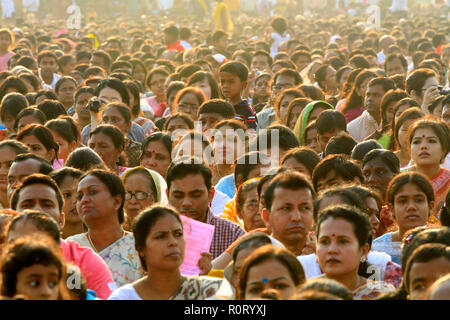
(226, 185)
(266, 117)
(176, 46)
(244, 112)
(362, 126)
(225, 233)
(51, 86)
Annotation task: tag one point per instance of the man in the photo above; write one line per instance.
(24, 165)
(48, 68)
(301, 58)
(40, 192)
(330, 123)
(336, 170)
(101, 59)
(190, 191)
(261, 62)
(369, 121)
(171, 39)
(289, 209)
(395, 63)
(283, 79)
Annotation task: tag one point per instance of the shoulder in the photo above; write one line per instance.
(387, 237)
(126, 292)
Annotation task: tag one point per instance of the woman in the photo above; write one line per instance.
(12, 84)
(67, 180)
(282, 103)
(205, 82)
(66, 134)
(65, 89)
(135, 107)
(410, 199)
(80, 112)
(84, 159)
(294, 110)
(11, 105)
(188, 100)
(100, 202)
(143, 188)
(270, 273)
(34, 268)
(156, 153)
(40, 141)
(138, 72)
(178, 121)
(429, 142)
(155, 82)
(261, 92)
(343, 243)
(9, 149)
(247, 205)
(161, 245)
(302, 159)
(44, 95)
(108, 142)
(403, 105)
(6, 43)
(401, 128)
(310, 113)
(29, 115)
(310, 138)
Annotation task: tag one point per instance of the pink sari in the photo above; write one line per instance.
(441, 185)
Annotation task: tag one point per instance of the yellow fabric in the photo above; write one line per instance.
(229, 212)
(221, 17)
(217, 273)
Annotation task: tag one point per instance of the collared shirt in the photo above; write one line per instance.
(266, 117)
(362, 126)
(51, 86)
(225, 233)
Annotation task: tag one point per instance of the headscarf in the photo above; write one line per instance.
(158, 181)
(302, 121)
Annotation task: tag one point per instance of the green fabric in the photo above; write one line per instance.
(385, 141)
(302, 121)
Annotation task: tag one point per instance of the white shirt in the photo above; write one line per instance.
(381, 57)
(399, 5)
(362, 126)
(218, 203)
(126, 292)
(51, 86)
(277, 39)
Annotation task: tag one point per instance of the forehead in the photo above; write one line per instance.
(189, 96)
(228, 76)
(48, 60)
(337, 226)
(427, 132)
(375, 88)
(110, 111)
(90, 181)
(293, 196)
(38, 191)
(375, 163)
(212, 116)
(100, 137)
(26, 167)
(283, 78)
(109, 92)
(189, 182)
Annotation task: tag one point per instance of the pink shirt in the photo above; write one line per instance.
(94, 269)
(4, 61)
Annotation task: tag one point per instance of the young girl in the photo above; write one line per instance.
(40, 141)
(66, 134)
(205, 82)
(6, 41)
(33, 268)
(401, 127)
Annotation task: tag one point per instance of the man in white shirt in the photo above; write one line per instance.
(369, 121)
(48, 66)
(385, 42)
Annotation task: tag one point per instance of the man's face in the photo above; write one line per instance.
(282, 82)
(40, 197)
(326, 136)
(260, 63)
(222, 42)
(302, 62)
(374, 95)
(190, 196)
(330, 180)
(19, 171)
(48, 65)
(97, 61)
(231, 86)
(291, 215)
(394, 67)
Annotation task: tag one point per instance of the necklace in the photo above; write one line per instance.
(92, 244)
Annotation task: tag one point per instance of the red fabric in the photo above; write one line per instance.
(176, 46)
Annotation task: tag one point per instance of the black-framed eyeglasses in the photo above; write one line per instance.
(139, 195)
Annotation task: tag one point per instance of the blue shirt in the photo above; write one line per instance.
(226, 185)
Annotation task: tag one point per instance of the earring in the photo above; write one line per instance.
(363, 259)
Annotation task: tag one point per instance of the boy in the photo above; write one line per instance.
(48, 66)
(233, 77)
(213, 111)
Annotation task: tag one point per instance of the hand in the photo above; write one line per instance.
(428, 96)
(205, 263)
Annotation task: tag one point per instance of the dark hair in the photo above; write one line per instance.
(244, 54)
(104, 55)
(133, 87)
(187, 119)
(13, 82)
(158, 70)
(306, 156)
(393, 56)
(290, 180)
(416, 80)
(269, 252)
(302, 102)
(425, 253)
(246, 163)
(47, 53)
(353, 99)
(43, 134)
(64, 79)
(114, 185)
(32, 79)
(175, 86)
(26, 252)
(218, 106)
(12, 104)
(288, 73)
(389, 97)
(296, 93)
(251, 240)
(325, 285)
(49, 94)
(201, 75)
(330, 121)
(279, 24)
(114, 84)
(52, 109)
(387, 156)
(413, 113)
(321, 74)
(184, 166)
(84, 159)
(434, 104)
(37, 178)
(414, 177)
(359, 61)
(45, 167)
(444, 215)
(267, 138)
(17, 146)
(197, 92)
(342, 143)
(66, 127)
(122, 109)
(144, 222)
(60, 174)
(340, 164)
(162, 137)
(237, 68)
(41, 220)
(30, 111)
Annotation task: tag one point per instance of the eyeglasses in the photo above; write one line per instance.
(140, 195)
(187, 106)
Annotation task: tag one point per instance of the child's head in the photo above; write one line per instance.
(279, 24)
(233, 79)
(34, 268)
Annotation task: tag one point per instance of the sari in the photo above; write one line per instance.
(302, 121)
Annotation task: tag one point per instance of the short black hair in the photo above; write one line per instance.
(266, 138)
(237, 68)
(363, 147)
(172, 30)
(341, 144)
(219, 106)
(330, 121)
(387, 156)
(246, 163)
(84, 159)
(307, 156)
(184, 166)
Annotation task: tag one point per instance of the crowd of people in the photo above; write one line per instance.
(316, 147)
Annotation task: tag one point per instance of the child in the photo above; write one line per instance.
(233, 81)
(33, 267)
(6, 40)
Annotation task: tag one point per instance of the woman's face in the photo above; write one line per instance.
(249, 211)
(293, 163)
(66, 91)
(65, 148)
(177, 124)
(109, 95)
(423, 274)
(262, 87)
(269, 279)
(104, 147)
(204, 86)
(377, 175)
(399, 111)
(314, 114)
(226, 144)
(5, 41)
(403, 133)
(7, 156)
(38, 282)
(138, 194)
(38, 148)
(8, 121)
(344, 78)
(311, 140)
(426, 148)
(295, 113)
(390, 112)
(189, 104)
(80, 107)
(284, 104)
(411, 207)
(157, 83)
(338, 250)
(30, 119)
(69, 190)
(164, 245)
(330, 79)
(95, 204)
(156, 157)
(114, 117)
(374, 211)
(139, 74)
